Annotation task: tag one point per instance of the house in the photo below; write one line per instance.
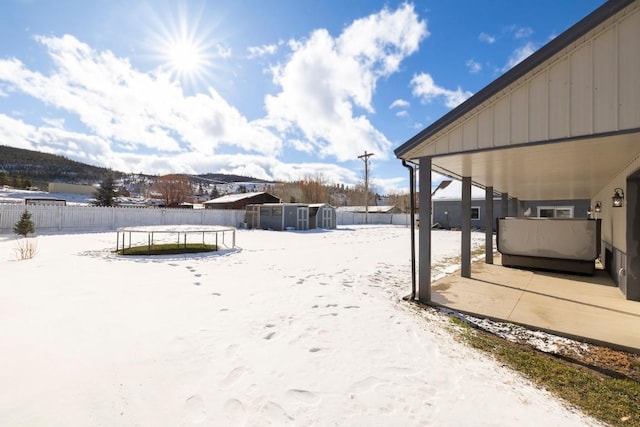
(563, 124)
(61, 187)
(447, 209)
(241, 200)
(290, 216)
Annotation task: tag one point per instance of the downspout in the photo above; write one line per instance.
(413, 226)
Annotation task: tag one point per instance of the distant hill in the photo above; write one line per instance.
(44, 167)
(223, 178)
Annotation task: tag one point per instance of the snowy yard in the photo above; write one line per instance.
(299, 328)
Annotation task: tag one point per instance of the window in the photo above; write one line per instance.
(564, 212)
(555, 211)
(475, 212)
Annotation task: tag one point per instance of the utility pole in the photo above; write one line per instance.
(365, 158)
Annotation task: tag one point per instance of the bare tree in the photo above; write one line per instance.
(174, 189)
(314, 189)
(401, 201)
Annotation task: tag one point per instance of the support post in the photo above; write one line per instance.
(466, 228)
(504, 205)
(424, 234)
(514, 207)
(488, 225)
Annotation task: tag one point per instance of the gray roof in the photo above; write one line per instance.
(229, 198)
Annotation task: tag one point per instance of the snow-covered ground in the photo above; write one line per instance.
(291, 328)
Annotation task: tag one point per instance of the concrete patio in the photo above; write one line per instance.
(586, 308)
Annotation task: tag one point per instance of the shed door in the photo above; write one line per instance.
(326, 218)
(303, 218)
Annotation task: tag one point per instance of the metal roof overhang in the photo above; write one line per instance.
(569, 168)
(566, 169)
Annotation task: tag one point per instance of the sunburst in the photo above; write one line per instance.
(186, 51)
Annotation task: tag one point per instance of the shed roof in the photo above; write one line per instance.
(234, 197)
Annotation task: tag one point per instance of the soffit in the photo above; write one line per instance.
(561, 170)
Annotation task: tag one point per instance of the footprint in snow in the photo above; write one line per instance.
(235, 412)
(194, 410)
(303, 396)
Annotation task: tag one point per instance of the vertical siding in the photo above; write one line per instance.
(538, 107)
(591, 86)
(442, 146)
(519, 131)
(455, 139)
(470, 134)
(605, 82)
(559, 100)
(581, 74)
(629, 73)
(485, 128)
(501, 122)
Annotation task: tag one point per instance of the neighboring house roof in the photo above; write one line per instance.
(453, 191)
(234, 197)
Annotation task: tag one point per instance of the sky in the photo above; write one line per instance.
(256, 335)
(279, 90)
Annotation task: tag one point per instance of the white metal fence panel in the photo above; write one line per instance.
(62, 218)
(352, 218)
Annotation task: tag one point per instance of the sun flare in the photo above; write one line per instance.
(183, 49)
(185, 58)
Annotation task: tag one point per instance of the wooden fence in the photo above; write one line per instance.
(49, 218)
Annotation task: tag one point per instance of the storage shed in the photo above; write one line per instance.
(322, 215)
(290, 216)
(241, 200)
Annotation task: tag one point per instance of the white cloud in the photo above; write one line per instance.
(222, 51)
(399, 103)
(327, 78)
(473, 66)
(402, 113)
(519, 55)
(520, 32)
(97, 151)
(486, 38)
(137, 121)
(300, 145)
(425, 88)
(264, 50)
(138, 110)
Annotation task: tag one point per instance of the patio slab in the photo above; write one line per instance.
(586, 308)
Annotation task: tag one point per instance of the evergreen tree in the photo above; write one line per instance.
(25, 225)
(106, 193)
